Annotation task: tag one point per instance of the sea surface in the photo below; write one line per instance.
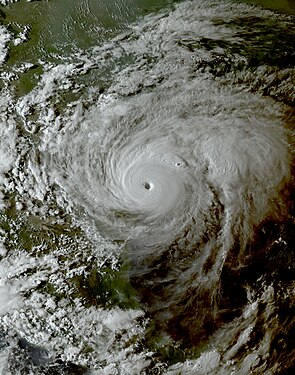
(147, 187)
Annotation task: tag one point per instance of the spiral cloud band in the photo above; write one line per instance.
(154, 167)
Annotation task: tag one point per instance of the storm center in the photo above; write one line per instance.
(147, 185)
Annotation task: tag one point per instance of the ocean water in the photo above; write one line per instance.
(146, 187)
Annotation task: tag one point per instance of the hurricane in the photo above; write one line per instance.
(146, 195)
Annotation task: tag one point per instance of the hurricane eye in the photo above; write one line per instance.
(147, 185)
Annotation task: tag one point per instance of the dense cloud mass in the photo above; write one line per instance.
(145, 194)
